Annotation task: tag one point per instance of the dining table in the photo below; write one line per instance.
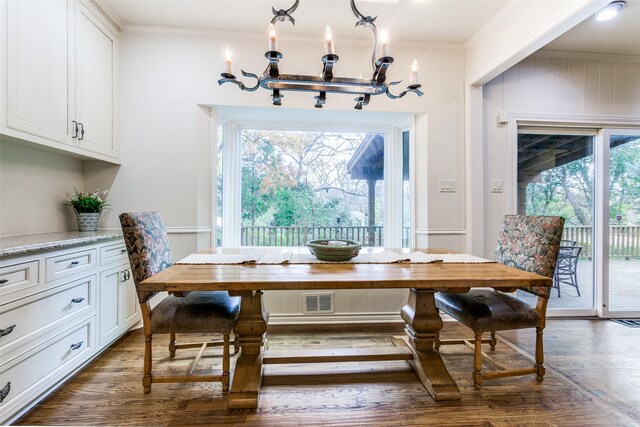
(421, 318)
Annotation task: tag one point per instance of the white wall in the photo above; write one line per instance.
(34, 185)
(165, 76)
(555, 86)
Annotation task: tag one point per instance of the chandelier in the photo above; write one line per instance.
(272, 80)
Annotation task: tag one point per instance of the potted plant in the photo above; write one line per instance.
(88, 207)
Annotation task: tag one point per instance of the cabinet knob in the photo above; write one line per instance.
(77, 300)
(3, 281)
(5, 391)
(75, 262)
(123, 251)
(75, 129)
(7, 331)
(76, 345)
(81, 137)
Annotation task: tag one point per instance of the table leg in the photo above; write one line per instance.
(423, 324)
(250, 327)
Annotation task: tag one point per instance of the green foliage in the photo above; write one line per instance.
(294, 178)
(92, 202)
(568, 190)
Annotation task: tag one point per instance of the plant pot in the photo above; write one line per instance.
(88, 221)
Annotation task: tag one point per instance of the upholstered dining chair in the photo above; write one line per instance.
(529, 243)
(195, 312)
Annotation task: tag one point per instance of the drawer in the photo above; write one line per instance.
(22, 320)
(18, 277)
(114, 254)
(71, 263)
(25, 377)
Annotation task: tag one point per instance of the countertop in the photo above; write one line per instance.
(20, 245)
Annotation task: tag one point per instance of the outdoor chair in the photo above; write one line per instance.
(567, 268)
(530, 243)
(194, 312)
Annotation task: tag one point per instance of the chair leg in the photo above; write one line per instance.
(172, 345)
(225, 363)
(493, 341)
(477, 361)
(574, 280)
(146, 379)
(540, 371)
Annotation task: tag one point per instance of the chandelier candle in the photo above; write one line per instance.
(362, 89)
(329, 49)
(384, 45)
(228, 62)
(273, 38)
(413, 77)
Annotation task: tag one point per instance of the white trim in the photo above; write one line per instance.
(232, 186)
(309, 126)
(328, 319)
(393, 188)
(602, 57)
(213, 178)
(171, 230)
(412, 181)
(444, 231)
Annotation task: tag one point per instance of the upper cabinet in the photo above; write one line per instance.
(60, 77)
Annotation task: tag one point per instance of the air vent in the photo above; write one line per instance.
(318, 302)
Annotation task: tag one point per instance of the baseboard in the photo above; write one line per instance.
(332, 319)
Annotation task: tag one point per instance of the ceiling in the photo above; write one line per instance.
(435, 21)
(440, 21)
(618, 36)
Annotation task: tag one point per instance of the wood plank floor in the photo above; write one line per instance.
(593, 378)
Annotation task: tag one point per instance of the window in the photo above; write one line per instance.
(303, 185)
(284, 187)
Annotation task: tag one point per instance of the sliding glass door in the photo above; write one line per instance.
(591, 177)
(621, 227)
(556, 177)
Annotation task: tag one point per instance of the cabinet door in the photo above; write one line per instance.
(96, 65)
(118, 303)
(40, 52)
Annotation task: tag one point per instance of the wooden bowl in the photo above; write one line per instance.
(334, 249)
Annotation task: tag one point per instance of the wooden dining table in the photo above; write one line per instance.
(422, 320)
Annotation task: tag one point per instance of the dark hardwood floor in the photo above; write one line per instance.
(593, 378)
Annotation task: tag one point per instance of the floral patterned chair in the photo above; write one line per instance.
(529, 243)
(195, 312)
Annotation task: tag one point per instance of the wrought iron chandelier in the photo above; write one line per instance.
(271, 79)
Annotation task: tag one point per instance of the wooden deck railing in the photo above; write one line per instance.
(624, 240)
(299, 236)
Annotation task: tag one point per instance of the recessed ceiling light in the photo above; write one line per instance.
(610, 11)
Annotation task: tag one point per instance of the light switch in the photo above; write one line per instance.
(447, 185)
(496, 186)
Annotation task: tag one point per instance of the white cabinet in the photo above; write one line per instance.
(40, 57)
(58, 309)
(117, 296)
(59, 68)
(96, 64)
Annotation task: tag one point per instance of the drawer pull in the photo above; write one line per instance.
(77, 300)
(7, 331)
(77, 345)
(5, 391)
(123, 251)
(75, 262)
(3, 281)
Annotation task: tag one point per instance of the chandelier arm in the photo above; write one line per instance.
(367, 21)
(283, 15)
(411, 88)
(230, 78)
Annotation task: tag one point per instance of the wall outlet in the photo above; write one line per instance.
(496, 186)
(447, 185)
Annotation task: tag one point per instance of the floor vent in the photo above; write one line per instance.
(632, 323)
(318, 302)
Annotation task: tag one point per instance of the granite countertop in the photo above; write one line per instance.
(20, 245)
